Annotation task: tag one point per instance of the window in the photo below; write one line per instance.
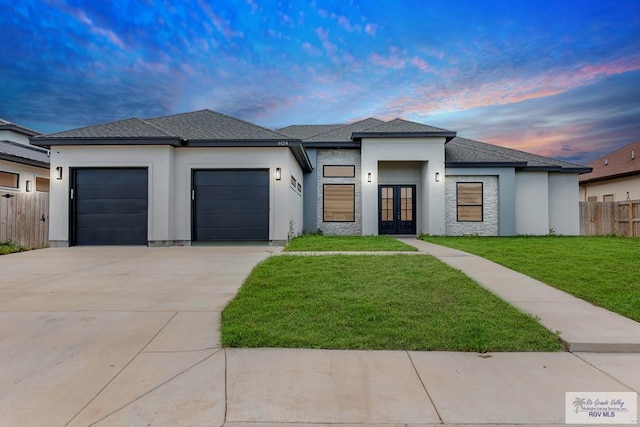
(339, 203)
(339, 171)
(8, 179)
(293, 181)
(607, 198)
(42, 184)
(299, 188)
(592, 199)
(469, 201)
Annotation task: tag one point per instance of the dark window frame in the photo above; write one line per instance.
(481, 205)
(324, 171)
(324, 204)
(17, 178)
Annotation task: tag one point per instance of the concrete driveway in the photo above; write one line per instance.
(104, 335)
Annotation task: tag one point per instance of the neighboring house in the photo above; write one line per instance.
(23, 167)
(615, 176)
(203, 176)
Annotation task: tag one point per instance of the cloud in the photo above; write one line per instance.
(371, 29)
(578, 125)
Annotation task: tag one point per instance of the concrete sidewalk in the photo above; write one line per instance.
(582, 326)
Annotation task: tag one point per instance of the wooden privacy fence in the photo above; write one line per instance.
(24, 218)
(603, 218)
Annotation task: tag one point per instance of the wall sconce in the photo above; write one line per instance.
(28, 186)
(59, 172)
(278, 174)
(437, 176)
(369, 177)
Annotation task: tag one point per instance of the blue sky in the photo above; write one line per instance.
(557, 78)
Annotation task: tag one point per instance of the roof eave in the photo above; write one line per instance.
(608, 177)
(332, 144)
(561, 169)
(485, 164)
(134, 140)
(24, 160)
(19, 129)
(446, 134)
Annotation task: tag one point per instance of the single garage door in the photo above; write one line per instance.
(109, 206)
(230, 205)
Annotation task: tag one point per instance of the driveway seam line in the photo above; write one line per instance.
(424, 387)
(154, 388)
(226, 403)
(123, 368)
(604, 372)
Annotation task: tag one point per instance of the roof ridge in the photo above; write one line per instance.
(347, 125)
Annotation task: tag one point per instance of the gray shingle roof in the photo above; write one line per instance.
(462, 150)
(207, 124)
(403, 126)
(197, 125)
(343, 133)
(306, 131)
(21, 153)
(128, 128)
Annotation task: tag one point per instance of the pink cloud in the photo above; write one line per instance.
(371, 29)
(393, 60)
(310, 49)
(420, 64)
(343, 22)
(322, 33)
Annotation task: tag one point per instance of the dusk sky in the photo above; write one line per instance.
(557, 78)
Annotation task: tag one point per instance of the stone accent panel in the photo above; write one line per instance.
(489, 225)
(339, 157)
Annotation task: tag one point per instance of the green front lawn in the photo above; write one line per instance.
(602, 270)
(374, 302)
(10, 248)
(314, 242)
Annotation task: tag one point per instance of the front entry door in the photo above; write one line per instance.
(397, 213)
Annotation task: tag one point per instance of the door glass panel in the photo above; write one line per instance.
(406, 204)
(386, 202)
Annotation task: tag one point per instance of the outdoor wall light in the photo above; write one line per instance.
(437, 176)
(369, 177)
(59, 172)
(278, 174)
(28, 186)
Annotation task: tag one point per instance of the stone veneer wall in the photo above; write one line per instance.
(339, 157)
(489, 225)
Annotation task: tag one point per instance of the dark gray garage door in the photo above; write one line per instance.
(109, 207)
(230, 205)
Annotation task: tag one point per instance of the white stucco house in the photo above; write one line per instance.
(23, 167)
(203, 176)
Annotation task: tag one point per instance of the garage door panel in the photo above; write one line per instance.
(231, 177)
(238, 192)
(231, 205)
(116, 176)
(238, 207)
(110, 206)
(126, 206)
(111, 191)
(99, 236)
(103, 221)
(241, 233)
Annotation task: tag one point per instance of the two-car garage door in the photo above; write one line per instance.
(110, 206)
